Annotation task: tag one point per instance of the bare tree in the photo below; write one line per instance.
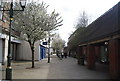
(82, 20)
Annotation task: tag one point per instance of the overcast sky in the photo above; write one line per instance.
(71, 9)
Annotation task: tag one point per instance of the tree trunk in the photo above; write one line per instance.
(32, 49)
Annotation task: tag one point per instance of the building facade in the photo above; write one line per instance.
(20, 50)
(100, 42)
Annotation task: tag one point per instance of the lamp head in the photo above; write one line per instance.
(23, 3)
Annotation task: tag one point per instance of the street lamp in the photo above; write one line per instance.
(9, 68)
(49, 39)
(23, 4)
(49, 49)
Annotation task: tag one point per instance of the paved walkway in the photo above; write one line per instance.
(57, 69)
(69, 69)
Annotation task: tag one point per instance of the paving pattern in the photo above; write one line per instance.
(67, 68)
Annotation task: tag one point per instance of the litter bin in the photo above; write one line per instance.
(81, 61)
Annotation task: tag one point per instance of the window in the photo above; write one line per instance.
(0, 14)
(0, 11)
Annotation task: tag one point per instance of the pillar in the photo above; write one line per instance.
(80, 55)
(114, 58)
(90, 57)
(5, 50)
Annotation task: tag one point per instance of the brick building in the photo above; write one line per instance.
(99, 42)
(20, 49)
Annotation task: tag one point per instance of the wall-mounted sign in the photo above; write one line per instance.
(44, 43)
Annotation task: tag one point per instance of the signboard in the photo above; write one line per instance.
(44, 43)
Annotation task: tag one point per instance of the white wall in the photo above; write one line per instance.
(5, 50)
(37, 50)
(25, 53)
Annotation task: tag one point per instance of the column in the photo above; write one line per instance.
(90, 57)
(6, 50)
(114, 58)
(80, 55)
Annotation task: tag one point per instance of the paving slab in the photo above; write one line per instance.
(67, 68)
(23, 70)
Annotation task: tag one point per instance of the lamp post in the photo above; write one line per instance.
(48, 43)
(9, 68)
(49, 49)
(49, 39)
